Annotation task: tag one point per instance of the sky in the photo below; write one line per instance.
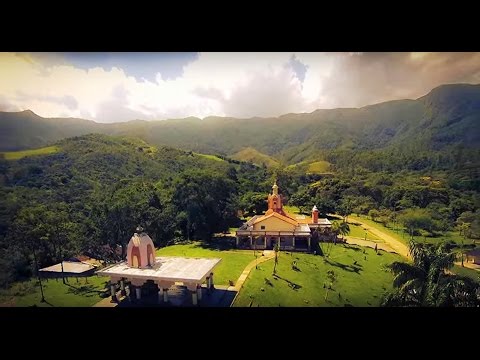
(113, 87)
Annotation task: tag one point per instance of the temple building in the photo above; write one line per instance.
(291, 232)
(143, 270)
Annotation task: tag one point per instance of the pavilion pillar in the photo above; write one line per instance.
(294, 242)
(138, 292)
(122, 287)
(160, 294)
(165, 295)
(199, 292)
(251, 242)
(265, 241)
(236, 241)
(113, 292)
(131, 290)
(309, 243)
(194, 297)
(211, 287)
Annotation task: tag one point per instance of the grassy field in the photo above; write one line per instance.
(81, 293)
(361, 279)
(232, 264)
(318, 167)
(16, 155)
(403, 237)
(254, 156)
(357, 231)
(211, 157)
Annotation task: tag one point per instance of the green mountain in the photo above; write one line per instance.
(435, 130)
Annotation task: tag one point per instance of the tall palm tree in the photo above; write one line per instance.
(426, 283)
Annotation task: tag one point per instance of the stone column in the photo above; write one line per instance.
(113, 292)
(194, 297)
(138, 291)
(199, 292)
(165, 295)
(294, 242)
(122, 287)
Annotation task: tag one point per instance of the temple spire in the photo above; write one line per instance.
(275, 188)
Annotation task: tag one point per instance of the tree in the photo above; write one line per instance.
(374, 213)
(415, 219)
(426, 283)
(331, 277)
(276, 249)
(344, 229)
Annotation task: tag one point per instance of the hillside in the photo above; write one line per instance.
(254, 156)
(92, 191)
(437, 130)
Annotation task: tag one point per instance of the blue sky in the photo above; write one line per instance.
(140, 65)
(111, 87)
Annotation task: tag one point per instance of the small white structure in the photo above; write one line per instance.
(140, 250)
(142, 265)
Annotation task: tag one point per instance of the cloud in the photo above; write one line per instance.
(222, 84)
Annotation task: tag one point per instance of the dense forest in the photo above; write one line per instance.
(414, 162)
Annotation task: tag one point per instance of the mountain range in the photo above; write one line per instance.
(443, 121)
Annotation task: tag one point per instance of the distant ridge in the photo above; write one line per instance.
(447, 117)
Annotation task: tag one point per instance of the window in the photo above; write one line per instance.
(262, 227)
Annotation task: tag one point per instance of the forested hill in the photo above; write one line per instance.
(436, 130)
(93, 190)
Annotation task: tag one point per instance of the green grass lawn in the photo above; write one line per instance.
(16, 155)
(360, 284)
(357, 231)
(402, 236)
(232, 264)
(27, 293)
(463, 271)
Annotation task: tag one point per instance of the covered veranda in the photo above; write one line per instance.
(288, 240)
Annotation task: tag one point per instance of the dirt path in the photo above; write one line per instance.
(396, 245)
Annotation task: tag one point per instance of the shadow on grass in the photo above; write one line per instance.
(356, 268)
(352, 247)
(84, 290)
(218, 243)
(289, 283)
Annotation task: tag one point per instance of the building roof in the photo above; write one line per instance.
(170, 268)
(69, 267)
(277, 215)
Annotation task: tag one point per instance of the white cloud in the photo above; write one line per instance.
(228, 84)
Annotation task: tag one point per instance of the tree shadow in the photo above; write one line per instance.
(293, 285)
(88, 290)
(356, 268)
(352, 247)
(218, 243)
